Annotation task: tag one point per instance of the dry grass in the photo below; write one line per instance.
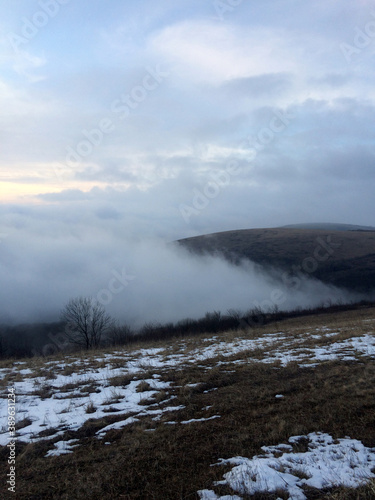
(144, 386)
(23, 423)
(120, 380)
(174, 461)
(44, 391)
(115, 397)
(69, 370)
(159, 397)
(90, 407)
(89, 388)
(363, 493)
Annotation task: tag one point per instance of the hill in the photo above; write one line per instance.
(330, 226)
(345, 258)
(284, 411)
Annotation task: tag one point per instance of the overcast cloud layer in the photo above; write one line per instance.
(170, 119)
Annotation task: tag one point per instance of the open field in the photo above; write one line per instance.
(150, 421)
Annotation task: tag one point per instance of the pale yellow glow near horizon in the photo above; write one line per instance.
(14, 188)
(22, 184)
(18, 192)
(15, 192)
(46, 178)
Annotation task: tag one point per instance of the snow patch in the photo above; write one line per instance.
(62, 447)
(326, 463)
(199, 419)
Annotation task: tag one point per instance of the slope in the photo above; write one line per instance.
(149, 423)
(342, 258)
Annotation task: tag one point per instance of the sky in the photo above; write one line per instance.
(165, 120)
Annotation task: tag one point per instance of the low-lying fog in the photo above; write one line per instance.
(137, 281)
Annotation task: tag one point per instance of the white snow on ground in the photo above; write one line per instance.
(79, 388)
(327, 463)
(68, 410)
(211, 495)
(130, 420)
(117, 425)
(62, 447)
(199, 419)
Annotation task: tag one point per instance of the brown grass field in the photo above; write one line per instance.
(154, 459)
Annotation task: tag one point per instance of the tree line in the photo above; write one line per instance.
(84, 325)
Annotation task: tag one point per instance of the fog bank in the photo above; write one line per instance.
(137, 280)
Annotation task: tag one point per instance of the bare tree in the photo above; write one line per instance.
(86, 322)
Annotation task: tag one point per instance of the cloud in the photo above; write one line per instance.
(261, 85)
(331, 80)
(215, 53)
(137, 280)
(226, 80)
(26, 64)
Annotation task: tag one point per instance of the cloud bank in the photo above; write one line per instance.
(138, 281)
(126, 122)
(148, 99)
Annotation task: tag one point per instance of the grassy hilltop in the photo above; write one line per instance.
(150, 421)
(345, 258)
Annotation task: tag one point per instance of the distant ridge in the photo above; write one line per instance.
(329, 226)
(349, 263)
